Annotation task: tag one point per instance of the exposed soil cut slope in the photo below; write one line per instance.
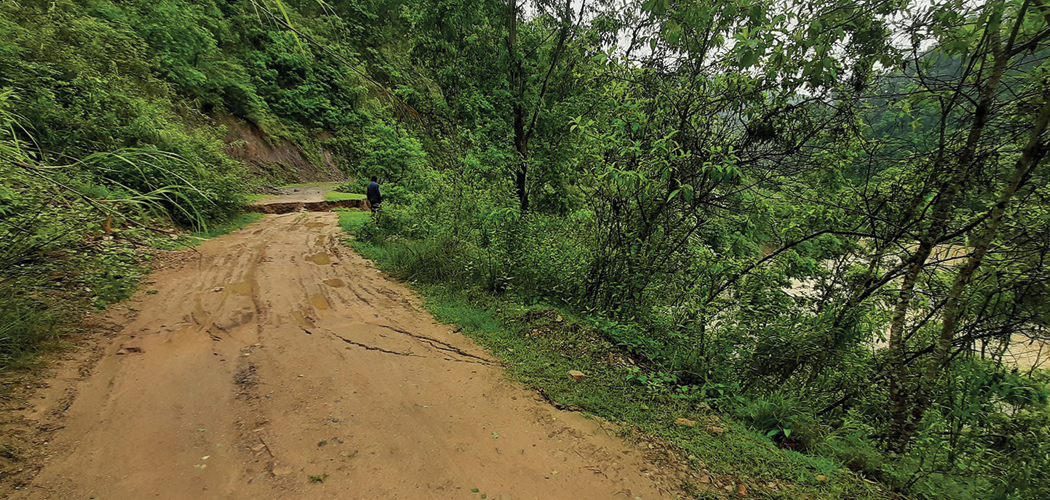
(275, 363)
(277, 159)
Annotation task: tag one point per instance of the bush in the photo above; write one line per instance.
(783, 419)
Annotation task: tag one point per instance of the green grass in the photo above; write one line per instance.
(539, 346)
(252, 198)
(337, 196)
(350, 219)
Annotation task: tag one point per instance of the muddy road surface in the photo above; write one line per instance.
(276, 363)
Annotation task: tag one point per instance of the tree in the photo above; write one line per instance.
(504, 94)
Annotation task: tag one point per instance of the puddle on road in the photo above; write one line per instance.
(301, 319)
(320, 259)
(319, 301)
(242, 288)
(335, 283)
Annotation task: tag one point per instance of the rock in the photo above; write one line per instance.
(705, 479)
(128, 350)
(576, 374)
(559, 319)
(686, 422)
(718, 431)
(217, 289)
(741, 490)
(822, 478)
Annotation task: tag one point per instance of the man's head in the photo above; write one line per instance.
(374, 179)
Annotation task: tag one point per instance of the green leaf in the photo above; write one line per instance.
(748, 59)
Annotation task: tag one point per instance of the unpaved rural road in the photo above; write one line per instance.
(276, 354)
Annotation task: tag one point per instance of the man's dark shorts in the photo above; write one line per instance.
(376, 207)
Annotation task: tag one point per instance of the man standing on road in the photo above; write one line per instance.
(375, 199)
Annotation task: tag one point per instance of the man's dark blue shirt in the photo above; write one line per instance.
(373, 193)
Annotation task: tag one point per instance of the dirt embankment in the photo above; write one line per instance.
(279, 160)
(309, 206)
(303, 198)
(275, 363)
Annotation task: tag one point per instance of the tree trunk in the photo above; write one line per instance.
(901, 425)
(517, 84)
(1030, 157)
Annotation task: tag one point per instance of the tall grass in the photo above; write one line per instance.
(69, 231)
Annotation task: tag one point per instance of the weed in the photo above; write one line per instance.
(318, 478)
(10, 453)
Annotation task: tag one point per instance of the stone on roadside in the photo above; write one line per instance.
(686, 422)
(577, 375)
(718, 431)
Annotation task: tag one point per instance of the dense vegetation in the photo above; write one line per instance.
(109, 135)
(827, 219)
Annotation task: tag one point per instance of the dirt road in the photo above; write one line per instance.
(276, 363)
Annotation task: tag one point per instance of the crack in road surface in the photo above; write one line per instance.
(439, 345)
(368, 347)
